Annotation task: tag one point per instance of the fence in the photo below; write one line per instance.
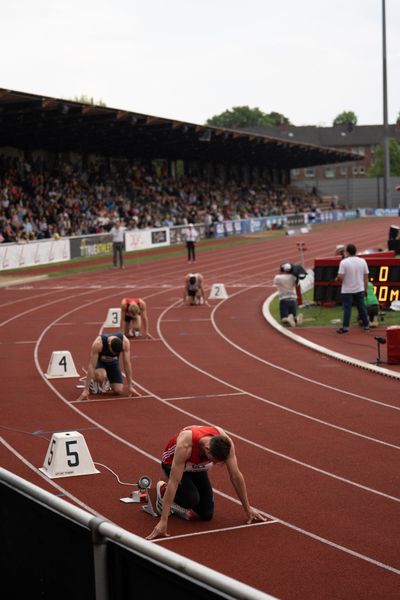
(53, 549)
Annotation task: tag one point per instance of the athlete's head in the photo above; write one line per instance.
(219, 447)
(133, 309)
(351, 249)
(116, 345)
(192, 279)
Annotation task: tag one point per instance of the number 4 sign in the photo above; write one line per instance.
(67, 456)
(61, 365)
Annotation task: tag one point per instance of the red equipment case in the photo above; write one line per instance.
(393, 344)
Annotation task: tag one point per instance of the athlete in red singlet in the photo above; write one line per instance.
(133, 316)
(186, 461)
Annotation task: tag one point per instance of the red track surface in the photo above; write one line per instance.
(317, 439)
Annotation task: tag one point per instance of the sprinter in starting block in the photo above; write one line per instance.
(104, 365)
(193, 292)
(187, 493)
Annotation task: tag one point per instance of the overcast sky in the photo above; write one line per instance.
(192, 59)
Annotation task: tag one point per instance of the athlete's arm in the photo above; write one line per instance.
(123, 324)
(94, 355)
(126, 356)
(143, 309)
(182, 454)
(239, 485)
(185, 289)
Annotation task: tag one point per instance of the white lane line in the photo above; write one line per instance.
(53, 483)
(156, 459)
(203, 396)
(109, 399)
(292, 373)
(186, 320)
(265, 400)
(221, 530)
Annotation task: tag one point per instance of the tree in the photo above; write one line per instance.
(244, 116)
(347, 117)
(394, 152)
(83, 99)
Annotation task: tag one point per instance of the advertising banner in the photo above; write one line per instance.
(177, 234)
(14, 256)
(298, 219)
(142, 239)
(243, 226)
(91, 245)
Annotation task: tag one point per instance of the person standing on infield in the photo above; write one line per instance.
(353, 275)
(186, 460)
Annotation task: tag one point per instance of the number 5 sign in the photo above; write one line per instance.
(61, 365)
(68, 455)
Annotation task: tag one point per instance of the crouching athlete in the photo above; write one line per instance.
(104, 370)
(186, 461)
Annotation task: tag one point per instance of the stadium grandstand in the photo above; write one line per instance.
(69, 168)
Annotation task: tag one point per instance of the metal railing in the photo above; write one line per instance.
(103, 548)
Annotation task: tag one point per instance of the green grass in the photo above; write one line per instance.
(319, 316)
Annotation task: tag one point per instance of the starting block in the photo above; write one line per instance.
(113, 318)
(218, 292)
(142, 495)
(61, 365)
(67, 456)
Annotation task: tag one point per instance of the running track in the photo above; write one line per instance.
(317, 439)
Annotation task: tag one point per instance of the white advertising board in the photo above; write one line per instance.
(143, 239)
(16, 256)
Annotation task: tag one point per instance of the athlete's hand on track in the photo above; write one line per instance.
(254, 515)
(83, 395)
(159, 530)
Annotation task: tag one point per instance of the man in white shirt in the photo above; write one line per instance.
(117, 233)
(353, 275)
(191, 236)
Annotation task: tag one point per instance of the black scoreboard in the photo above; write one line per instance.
(384, 273)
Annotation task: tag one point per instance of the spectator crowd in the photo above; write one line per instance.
(38, 202)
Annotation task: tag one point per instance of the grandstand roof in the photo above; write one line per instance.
(33, 122)
(334, 137)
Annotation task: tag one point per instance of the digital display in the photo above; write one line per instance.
(384, 273)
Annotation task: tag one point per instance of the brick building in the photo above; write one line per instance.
(348, 181)
(362, 140)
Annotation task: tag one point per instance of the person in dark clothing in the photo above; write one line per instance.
(104, 371)
(191, 236)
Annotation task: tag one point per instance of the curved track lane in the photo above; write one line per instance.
(316, 439)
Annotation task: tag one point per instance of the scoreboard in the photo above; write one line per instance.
(384, 273)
